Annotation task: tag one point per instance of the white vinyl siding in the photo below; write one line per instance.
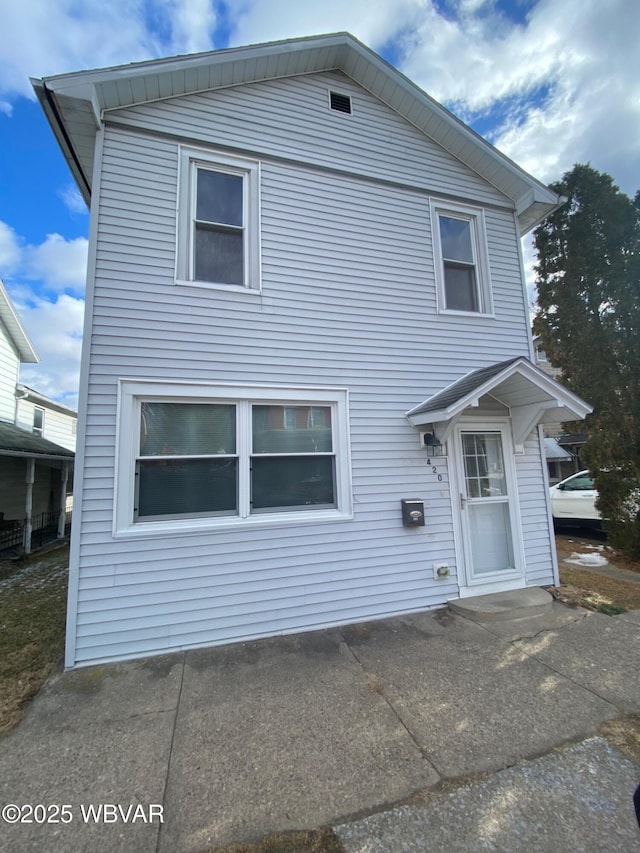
(290, 119)
(9, 368)
(348, 300)
(538, 544)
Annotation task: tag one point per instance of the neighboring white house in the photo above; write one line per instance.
(308, 395)
(42, 416)
(36, 450)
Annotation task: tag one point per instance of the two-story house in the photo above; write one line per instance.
(36, 445)
(307, 395)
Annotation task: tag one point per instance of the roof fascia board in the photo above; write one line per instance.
(25, 454)
(46, 98)
(78, 83)
(13, 323)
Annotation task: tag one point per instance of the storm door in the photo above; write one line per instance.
(487, 517)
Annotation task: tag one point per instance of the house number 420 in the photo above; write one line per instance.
(434, 470)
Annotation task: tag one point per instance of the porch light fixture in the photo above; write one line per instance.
(432, 444)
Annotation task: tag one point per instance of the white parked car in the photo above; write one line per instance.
(573, 501)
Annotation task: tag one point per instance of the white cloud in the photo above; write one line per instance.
(53, 320)
(70, 195)
(374, 22)
(193, 24)
(583, 55)
(60, 264)
(42, 38)
(9, 249)
(56, 329)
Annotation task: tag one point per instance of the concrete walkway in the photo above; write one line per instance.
(423, 733)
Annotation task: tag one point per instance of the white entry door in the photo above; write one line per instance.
(487, 493)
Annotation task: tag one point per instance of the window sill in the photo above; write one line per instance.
(189, 526)
(228, 288)
(454, 313)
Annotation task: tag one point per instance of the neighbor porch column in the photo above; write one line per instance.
(26, 543)
(62, 518)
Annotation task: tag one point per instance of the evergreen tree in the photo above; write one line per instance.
(588, 322)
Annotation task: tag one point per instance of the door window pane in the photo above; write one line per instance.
(491, 539)
(292, 481)
(186, 487)
(187, 429)
(483, 465)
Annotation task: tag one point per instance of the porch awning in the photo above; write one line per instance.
(554, 453)
(530, 395)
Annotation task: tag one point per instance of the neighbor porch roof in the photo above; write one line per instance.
(15, 441)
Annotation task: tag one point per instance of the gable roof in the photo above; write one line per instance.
(16, 330)
(75, 103)
(531, 396)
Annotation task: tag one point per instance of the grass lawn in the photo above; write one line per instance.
(597, 592)
(32, 623)
(587, 588)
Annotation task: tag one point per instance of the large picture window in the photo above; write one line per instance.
(462, 272)
(203, 455)
(218, 221)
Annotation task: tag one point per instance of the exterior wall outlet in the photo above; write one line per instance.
(440, 571)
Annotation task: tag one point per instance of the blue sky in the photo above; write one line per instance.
(550, 82)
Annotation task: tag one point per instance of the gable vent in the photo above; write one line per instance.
(341, 103)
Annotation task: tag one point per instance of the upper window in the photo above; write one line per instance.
(190, 456)
(38, 420)
(218, 221)
(462, 271)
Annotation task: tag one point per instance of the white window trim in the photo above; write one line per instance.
(132, 391)
(189, 161)
(34, 429)
(475, 216)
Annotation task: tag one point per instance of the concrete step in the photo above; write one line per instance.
(503, 606)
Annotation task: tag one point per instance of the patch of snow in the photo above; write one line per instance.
(587, 559)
